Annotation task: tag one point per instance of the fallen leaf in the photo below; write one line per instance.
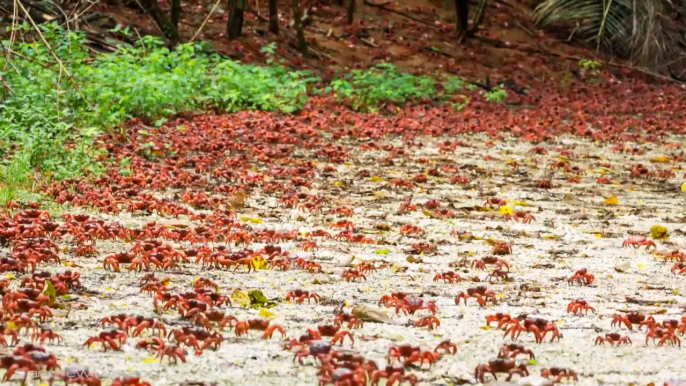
(658, 232)
(371, 314)
(259, 262)
(412, 259)
(49, 291)
(661, 159)
(266, 313)
(571, 200)
(238, 296)
(612, 200)
(505, 209)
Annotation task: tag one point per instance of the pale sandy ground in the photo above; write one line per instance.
(565, 235)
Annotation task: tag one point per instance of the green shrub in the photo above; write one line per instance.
(56, 100)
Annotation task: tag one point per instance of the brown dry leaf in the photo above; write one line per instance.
(412, 259)
(237, 200)
(176, 226)
(571, 200)
(371, 314)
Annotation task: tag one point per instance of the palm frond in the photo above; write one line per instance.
(646, 31)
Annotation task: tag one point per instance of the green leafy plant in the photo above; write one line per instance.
(590, 69)
(57, 101)
(497, 94)
(58, 97)
(364, 89)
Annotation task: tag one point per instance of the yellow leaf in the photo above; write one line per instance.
(10, 276)
(256, 220)
(641, 266)
(266, 313)
(376, 179)
(505, 209)
(485, 327)
(639, 203)
(12, 326)
(520, 203)
(149, 360)
(661, 159)
(471, 253)
(166, 281)
(675, 291)
(259, 262)
(428, 213)
(238, 296)
(658, 232)
(612, 200)
(379, 194)
(563, 262)
(338, 184)
(683, 187)
(501, 296)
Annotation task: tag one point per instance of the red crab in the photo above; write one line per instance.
(638, 241)
(581, 277)
(411, 304)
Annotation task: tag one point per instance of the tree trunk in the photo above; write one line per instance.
(153, 8)
(479, 16)
(461, 17)
(274, 17)
(175, 13)
(234, 26)
(351, 11)
(297, 17)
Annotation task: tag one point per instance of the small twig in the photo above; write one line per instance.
(207, 18)
(77, 16)
(140, 39)
(369, 43)
(7, 86)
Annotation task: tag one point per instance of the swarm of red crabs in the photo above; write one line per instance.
(220, 191)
